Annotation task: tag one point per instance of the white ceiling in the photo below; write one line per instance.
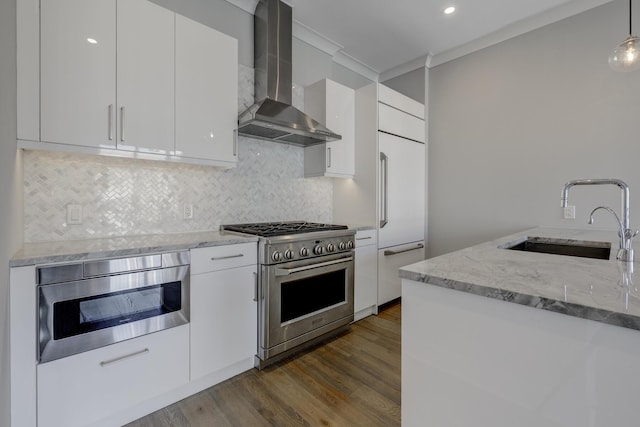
(382, 35)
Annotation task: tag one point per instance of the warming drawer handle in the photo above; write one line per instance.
(388, 252)
(126, 356)
(287, 271)
(218, 258)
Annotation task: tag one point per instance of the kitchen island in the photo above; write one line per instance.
(497, 337)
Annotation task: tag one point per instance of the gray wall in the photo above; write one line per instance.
(10, 191)
(411, 84)
(511, 123)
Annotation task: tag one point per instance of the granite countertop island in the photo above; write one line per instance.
(501, 338)
(600, 290)
(78, 250)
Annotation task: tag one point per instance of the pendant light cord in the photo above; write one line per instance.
(630, 15)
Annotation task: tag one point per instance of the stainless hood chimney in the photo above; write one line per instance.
(273, 117)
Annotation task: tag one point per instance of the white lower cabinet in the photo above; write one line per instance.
(365, 274)
(87, 387)
(223, 307)
(389, 262)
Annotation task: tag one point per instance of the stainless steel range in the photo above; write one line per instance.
(306, 284)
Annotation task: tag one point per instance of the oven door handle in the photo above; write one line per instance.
(288, 271)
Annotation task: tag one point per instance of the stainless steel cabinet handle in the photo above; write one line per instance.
(121, 123)
(328, 157)
(384, 169)
(389, 252)
(126, 356)
(287, 271)
(110, 122)
(218, 258)
(364, 238)
(235, 142)
(255, 286)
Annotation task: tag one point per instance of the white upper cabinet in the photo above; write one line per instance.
(127, 78)
(81, 104)
(333, 105)
(206, 92)
(145, 77)
(78, 72)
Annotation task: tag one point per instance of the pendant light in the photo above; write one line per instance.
(626, 57)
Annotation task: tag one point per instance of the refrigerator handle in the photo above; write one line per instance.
(384, 169)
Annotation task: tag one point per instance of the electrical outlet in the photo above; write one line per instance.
(74, 214)
(569, 212)
(188, 211)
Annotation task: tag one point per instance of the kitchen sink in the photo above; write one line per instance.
(579, 248)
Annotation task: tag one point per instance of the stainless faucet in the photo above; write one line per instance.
(625, 253)
(626, 234)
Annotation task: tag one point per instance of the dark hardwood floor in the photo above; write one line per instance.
(352, 380)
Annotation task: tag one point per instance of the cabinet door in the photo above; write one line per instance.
(404, 192)
(82, 389)
(365, 277)
(145, 74)
(333, 105)
(341, 119)
(206, 92)
(78, 72)
(223, 319)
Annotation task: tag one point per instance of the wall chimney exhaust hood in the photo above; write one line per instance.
(273, 117)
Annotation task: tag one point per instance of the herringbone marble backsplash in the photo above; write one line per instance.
(132, 197)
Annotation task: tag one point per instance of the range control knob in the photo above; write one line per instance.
(304, 252)
(331, 247)
(318, 250)
(350, 244)
(288, 254)
(342, 246)
(276, 256)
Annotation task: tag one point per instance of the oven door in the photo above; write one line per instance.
(87, 314)
(303, 300)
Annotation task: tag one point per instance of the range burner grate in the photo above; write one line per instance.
(268, 229)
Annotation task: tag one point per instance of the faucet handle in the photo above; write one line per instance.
(629, 234)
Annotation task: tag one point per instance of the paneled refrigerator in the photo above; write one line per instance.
(389, 187)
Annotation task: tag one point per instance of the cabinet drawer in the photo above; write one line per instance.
(216, 258)
(399, 101)
(87, 387)
(365, 238)
(399, 123)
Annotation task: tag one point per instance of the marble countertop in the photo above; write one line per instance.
(77, 250)
(606, 291)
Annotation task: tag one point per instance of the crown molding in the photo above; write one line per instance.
(333, 49)
(405, 68)
(545, 18)
(356, 66)
(248, 6)
(315, 39)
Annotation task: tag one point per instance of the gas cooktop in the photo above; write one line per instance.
(269, 229)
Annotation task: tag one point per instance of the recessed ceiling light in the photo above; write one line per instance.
(449, 10)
